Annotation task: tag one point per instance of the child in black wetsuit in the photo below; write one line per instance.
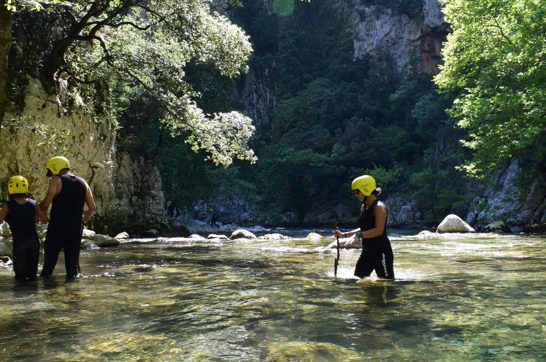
(20, 213)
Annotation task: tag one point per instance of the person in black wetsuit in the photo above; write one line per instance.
(67, 194)
(20, 213)
(376, 248)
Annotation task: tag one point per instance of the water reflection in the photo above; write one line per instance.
(278, 300)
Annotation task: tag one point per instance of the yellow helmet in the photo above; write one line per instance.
(17, 185)
(365, 184)
(56, 164)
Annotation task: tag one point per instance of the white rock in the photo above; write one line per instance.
(122, 235)
(88, 234)
(5, 262)
(4, 230)
(258, 228)
(5, 250)
(88, 244)
(314, 237)
(454, 224)
(275, 236)
(217, 236)
(242, 234)
(104, 240)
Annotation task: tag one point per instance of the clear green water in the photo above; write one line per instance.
(174, 300)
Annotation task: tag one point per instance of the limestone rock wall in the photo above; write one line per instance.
(138, 189)
(402, 37)
(124, 188)
(29, 138)
(505, 200)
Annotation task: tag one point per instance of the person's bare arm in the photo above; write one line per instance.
(380, 215)
(4, 211)
(53, 190)
(91, 206)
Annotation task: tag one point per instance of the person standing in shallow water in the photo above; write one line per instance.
(372, 229)
(67, 194)
(20, 214)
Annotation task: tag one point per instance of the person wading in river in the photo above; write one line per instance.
(67, 193)
(20, 214)
(372, 229)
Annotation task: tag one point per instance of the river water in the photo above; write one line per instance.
(455, 299)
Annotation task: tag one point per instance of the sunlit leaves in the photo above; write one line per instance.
(495, 60)
(147, 45)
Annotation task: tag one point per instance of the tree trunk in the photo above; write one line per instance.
(5, 46)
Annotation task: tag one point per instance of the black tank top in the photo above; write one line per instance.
(366, 221)
(22, 220)
(67, 206)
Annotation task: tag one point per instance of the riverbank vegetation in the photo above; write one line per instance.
(173, 77)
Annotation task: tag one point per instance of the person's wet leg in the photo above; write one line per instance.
(71, 256)
(51, 254)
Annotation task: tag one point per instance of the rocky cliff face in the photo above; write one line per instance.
(407, 37)
(521, 209)
(257, 96)
(43, 128)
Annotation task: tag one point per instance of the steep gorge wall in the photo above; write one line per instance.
(33, 135)
(408, 39)
(43, 128)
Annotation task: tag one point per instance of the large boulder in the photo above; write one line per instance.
(242, 234)
(454, 224)
(88, 234)
(122, 236)
(104, 240)
(314, 237)
(4, 230)
(5, 249)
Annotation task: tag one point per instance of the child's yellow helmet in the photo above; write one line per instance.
(17, 185)
(56, 164)
(365, 184)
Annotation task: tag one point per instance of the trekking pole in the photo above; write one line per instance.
(336, 261)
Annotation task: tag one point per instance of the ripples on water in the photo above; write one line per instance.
(174, 299)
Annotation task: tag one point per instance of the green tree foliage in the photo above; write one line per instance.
(336, 117)
(495, 64)
(148, 45)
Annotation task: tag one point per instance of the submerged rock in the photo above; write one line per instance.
(496, 226)
(274, 236)
(88, 244)
(311, 351)
(242, 234)
(454, 224)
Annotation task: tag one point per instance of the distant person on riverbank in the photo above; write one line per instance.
(20, 213)
(213, 219)
(372, 229)
(67, 193)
